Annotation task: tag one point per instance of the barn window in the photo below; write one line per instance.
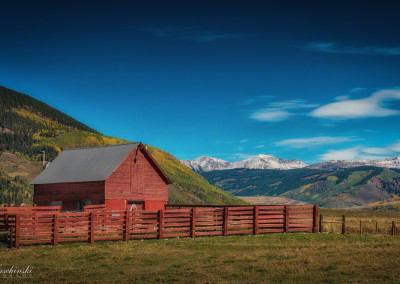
(82, 203)
(56, 203)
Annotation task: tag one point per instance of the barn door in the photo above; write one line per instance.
(135, 205)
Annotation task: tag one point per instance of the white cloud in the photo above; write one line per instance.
(342, 98)
(260, 146)
(270, 114)
(278, 111)
(377, 151)
(372, 106)
(240, 148)
(363, 153)
(243, 141)
(344, 154)
(331, 47)
(395, 147)
(241, 156)
(314, 141)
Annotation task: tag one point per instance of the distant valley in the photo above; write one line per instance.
(356, 186)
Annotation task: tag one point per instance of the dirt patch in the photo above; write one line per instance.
(260, 200)
(16, 165)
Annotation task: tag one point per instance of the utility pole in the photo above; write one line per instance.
(44, 159)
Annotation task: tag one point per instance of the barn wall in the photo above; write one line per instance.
(69, 193)
(114, 204)
(136, 181)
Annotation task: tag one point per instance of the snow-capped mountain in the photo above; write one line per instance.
(339, 164)
(268, 162)
(205, 163)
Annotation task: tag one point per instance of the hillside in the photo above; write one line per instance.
(29, 126)
(342, 188)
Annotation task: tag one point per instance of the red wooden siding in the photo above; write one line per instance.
(69, 193)
(137, 179)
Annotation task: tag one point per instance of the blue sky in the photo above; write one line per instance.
(312, 80)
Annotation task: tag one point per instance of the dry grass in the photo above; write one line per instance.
(369, 220)
(16, 165)
(290, 258)
(262, 200)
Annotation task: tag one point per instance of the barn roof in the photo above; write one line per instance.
(85, 164)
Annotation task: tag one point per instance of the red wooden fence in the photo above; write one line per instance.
(53, 228)
(94, 208)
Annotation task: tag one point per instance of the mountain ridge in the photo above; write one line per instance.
(261, 161)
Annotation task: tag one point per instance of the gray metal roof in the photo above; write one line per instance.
(85, 164)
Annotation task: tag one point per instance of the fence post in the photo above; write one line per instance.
(343, 224)
(255, 223)
(286, 229)
(393, 228)
(193, 224)
(376, 228)
(12, 232)
(55, 230)
(35, 220)
(226, 220)
(91, 241)
(360, 227)
(160, 224)
(320, 223)
(127, 226)
(17, 230)
(6, 220)
(315, 219)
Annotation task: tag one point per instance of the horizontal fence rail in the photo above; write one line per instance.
(355, 225)
(94, 208)
(53, 228)
(43, 209)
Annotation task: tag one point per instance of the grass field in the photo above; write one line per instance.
(369, 220)
(288, 258)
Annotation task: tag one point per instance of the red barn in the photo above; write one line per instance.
(120, 176)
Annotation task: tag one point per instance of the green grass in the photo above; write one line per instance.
(78, 139)
(290, 258)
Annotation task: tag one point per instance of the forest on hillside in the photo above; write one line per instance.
(14, 191)
(17, 132)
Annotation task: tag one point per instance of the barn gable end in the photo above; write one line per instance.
(137, 180)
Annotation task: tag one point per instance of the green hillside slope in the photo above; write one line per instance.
(28, 127)
(346, 187)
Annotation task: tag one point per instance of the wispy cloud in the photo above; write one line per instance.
(278, 111)
(332, 47)
(260, 146)
(191, 33)
(241, 156)
(231, 142)
(372, 106)
(375, 105)
(314, 141)
(363, 153)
